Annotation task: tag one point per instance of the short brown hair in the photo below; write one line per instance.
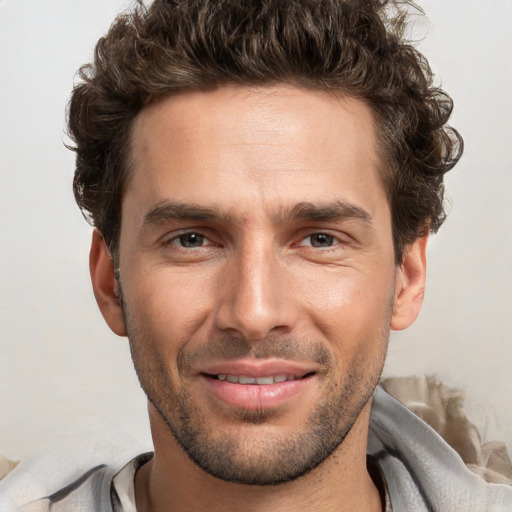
(344, 46)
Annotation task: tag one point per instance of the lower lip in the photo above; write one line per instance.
(254, 396)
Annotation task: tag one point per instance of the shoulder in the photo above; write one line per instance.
(57, 482)
(422, 471)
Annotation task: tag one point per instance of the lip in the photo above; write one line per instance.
(255, 368)
(257, 396)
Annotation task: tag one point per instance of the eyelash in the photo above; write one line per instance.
(178, 240)
(334, 240)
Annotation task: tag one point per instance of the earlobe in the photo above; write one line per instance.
(410, 285)
(104, 284)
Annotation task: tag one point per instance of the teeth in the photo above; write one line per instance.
(265, 380)
(242, 379)
(246, 380)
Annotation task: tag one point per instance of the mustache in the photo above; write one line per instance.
(232, 348)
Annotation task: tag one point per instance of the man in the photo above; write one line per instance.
(262, 177)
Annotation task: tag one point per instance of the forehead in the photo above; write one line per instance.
(238, 145)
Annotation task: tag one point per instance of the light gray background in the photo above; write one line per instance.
(64, 376)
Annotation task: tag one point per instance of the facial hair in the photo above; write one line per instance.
(269, 457)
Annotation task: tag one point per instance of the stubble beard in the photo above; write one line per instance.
(270, 458)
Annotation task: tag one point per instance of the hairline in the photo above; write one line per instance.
(383, 163)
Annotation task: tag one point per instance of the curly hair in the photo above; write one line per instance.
(354, 47)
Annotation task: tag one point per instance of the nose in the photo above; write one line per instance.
(256, 296)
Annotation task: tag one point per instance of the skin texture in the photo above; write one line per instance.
(256, 231)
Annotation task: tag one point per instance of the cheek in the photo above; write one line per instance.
(350, 307)
(170, 306)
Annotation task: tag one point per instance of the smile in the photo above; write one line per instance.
(242, 390)
(260, 381)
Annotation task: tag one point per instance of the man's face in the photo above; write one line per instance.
(258, 276)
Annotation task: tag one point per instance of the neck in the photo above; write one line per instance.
(170, 481)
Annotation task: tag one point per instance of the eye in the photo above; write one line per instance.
(319, 240)
(189, 240)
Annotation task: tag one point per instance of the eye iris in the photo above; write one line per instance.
(191, 240)
(322, 240)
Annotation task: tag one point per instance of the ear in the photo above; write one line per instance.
(104, 284)
(410, 284)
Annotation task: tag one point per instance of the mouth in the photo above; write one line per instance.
(258, 381)
(250, 387)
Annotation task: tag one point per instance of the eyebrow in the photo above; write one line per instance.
(336, 211)
(169, 210)
(339, 210)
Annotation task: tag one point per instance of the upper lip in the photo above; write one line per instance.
(259, 368)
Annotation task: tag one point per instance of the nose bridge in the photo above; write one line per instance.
(254, 301)
(254, 279)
